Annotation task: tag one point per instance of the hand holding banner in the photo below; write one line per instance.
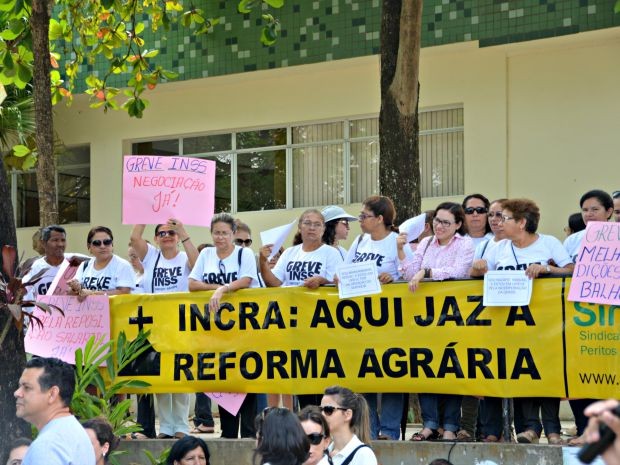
(156, 188)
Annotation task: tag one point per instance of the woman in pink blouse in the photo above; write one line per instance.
(446, 254)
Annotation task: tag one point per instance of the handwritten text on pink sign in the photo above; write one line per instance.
(156, 188)
(596, 278)
(61, 335)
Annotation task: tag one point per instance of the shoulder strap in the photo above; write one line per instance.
(347, 461)
(153, 277)
(85, 264)
(239, 258)
(484, 248)
(357, 244)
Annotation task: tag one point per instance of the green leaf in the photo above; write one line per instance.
(150, 53)
(56, 31)
(21, 151)
(107, 4)
(139, 28)
(268, 36)
(617, 7)
(246, 6)
(7, 5)
(275, 3)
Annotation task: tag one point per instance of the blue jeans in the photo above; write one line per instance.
(391, 414)
(429, 403)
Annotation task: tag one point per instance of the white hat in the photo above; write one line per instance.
(334, 212)
(413, 227)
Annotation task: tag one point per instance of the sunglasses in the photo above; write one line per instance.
(615, 194)
(315, 438)
(330, 409)
(170, 232)
(243, 242)
(479, 210)
(105, 242)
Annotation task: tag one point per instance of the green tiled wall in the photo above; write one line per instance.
(322, 30)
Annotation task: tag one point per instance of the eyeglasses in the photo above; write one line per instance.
(243, 242)
(310, 224)
(345, 222)
(169, 232)
(506, 218)
(496, 215)
(330, 409)
(221, 233)
(363, 216)
(444, 223)
(19, 461)
(479, 210)
(315, 438)
(105, 242)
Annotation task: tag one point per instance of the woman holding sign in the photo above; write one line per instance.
(447, 254)
(377, 244)
(166, 269)
(223, 269)
(106, 273)
(534, 253)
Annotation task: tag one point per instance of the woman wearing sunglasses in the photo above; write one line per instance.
(447, 254)
(476, 207)
(314, 424)
(223, 269)
(347, 416)
(483, 248)
(106, 273)
(166, 269)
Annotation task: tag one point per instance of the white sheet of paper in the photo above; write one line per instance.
(276, 236)
(506, 288)
(357, 279)
(569, 457)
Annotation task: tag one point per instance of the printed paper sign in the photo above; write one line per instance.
(62, 335)
(358, 279)
(157, 188)
(276, 236)
(506, 288)
(229, 401)
(597, 269)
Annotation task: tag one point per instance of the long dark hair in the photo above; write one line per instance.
(281, 439)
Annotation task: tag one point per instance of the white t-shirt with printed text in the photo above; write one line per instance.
(210, 269)
(163, 275)
(295, 265)
(117, 273)
(383, 252)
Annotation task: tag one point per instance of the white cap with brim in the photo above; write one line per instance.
(334, 212)
(413, 227)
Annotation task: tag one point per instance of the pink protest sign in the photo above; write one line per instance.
(229, 401)
(62, 335)
(156, 188)
(596, 278)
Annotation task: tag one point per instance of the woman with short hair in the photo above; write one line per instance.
(106, 273)
(102, 436)
(189, 450)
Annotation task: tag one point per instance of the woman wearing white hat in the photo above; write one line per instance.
(336, 227)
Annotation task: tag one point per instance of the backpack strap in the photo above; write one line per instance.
(348, 460)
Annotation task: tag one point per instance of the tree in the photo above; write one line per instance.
(401, 25)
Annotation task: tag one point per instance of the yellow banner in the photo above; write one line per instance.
(439, 340)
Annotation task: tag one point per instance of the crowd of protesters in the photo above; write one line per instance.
(452, 241)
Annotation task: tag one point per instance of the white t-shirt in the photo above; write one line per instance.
(483, 248)
(479, 240)
(211, 270)
(168, 276)
(572, 243)
(384, 253)
(363, 456)
(117, 273)
(295, 265)
(62, 441)
(41, 287)
(505, 256)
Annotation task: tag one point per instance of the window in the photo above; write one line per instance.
(73, 186)
(317, 164)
